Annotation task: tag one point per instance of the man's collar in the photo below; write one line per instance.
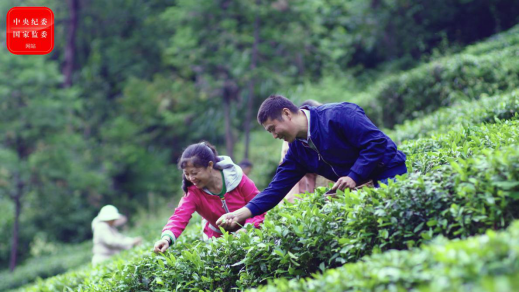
(307, 114)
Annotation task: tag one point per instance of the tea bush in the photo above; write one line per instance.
(486, 110)
(77, 257)
(461, 198)
(68, 258)
(442, 265)
(424, 155)
(496, 42)
(442, 83)
(74, 279)
(468, 184)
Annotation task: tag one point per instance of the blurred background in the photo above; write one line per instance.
(103, 118)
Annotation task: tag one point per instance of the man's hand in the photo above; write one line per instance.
(230, 221)
(343, 183)
(161, 245)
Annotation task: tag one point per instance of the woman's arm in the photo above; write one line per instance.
(178, 221)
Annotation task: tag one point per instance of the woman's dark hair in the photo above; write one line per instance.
(199, 155)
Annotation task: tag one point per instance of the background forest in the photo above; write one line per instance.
(103, 118)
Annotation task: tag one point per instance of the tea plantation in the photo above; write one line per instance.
(448, 225)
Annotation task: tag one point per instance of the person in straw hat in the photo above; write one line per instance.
(107, 240)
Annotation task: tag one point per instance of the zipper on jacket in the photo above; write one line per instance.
(224, 205)
(221, 195)
(320, 156)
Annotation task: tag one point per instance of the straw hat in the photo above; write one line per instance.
(108, 213)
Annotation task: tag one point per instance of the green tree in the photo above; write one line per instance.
(236, 50)
(45, 164)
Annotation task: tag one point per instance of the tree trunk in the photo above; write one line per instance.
(229, 140)
(250, 101)
(70, 48)
(16, 225)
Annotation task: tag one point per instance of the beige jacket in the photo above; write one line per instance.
(107, 240)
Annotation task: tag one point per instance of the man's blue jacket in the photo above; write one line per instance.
(348, 144)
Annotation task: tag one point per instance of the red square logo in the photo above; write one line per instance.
(30, 30)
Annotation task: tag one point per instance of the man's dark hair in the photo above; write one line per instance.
(272, 106)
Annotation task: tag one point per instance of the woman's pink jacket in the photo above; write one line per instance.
(211, 209)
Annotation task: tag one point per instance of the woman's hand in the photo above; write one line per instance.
(161, 245)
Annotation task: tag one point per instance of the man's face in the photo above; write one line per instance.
(283, 129)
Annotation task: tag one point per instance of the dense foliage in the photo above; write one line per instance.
(86, 274)
(129, 84)
(482, 263)
(487, 110)
(75, 259)
(67, 258)
(45, 160)
(460, 199)
(442, 82)
(462, 183)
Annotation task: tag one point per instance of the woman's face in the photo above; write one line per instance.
(199, 176)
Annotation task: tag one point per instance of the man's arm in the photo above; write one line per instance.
(287, 175)
(370, 141)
